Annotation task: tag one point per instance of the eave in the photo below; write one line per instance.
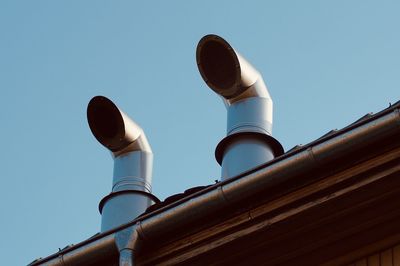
(311, 225)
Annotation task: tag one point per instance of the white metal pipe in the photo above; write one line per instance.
(249, 107)
(255, 150)
(126, 258)
(133, 160)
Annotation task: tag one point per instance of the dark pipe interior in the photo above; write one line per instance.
(218, 64)
(105, 120)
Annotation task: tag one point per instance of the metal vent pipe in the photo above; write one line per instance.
(133, 160)
(249, 106)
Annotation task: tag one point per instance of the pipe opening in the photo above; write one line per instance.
(105, 120)
(218, 65)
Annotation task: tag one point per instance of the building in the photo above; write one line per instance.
(334, 201)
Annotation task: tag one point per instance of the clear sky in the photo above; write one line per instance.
(326, 64)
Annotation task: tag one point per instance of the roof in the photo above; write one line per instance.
(302, 205)
(332, 133)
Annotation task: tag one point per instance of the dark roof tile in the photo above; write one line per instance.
(299, 146)
(174, 198)
(330, 133)
(362, 118)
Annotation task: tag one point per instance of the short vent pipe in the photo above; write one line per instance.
(133, 160)
(249, 106)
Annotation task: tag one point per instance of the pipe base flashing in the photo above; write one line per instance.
(121, 207)
(114, 194)
(275, 145)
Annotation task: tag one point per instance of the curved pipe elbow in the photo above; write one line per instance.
(133, 161)
(227, 73)
(114, 129)
(240, 85)
(249, 106)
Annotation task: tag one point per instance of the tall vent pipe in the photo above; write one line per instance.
(249, 106)
(133, 160)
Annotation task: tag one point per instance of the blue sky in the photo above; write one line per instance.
(326, 63)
